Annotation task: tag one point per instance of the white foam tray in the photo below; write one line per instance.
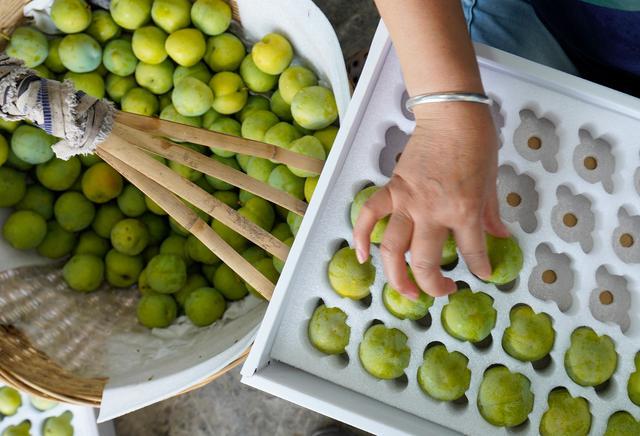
(284, 363)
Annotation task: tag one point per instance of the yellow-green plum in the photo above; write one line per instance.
(217, 183)
(309, 187)
(278, 264)
(282, 178)
(266, 268)
(328, 330)
(225, 125)
(281, 134)
(13, 186)
(131, 202)
(260, 168)
(167, 273)
(230, 198)
(444, 375)
(177, 228)
(280, 107)
(294, 221)
(156, 226)
(358, 201)
(102, 27)
(80, 53)
(327, 136)
(254, 253)
(156, 78)
(170, 113)
(186, 46)
(259, 211)
(143, 283)
(199, 252)
(164, 100)
(231, 237)
(308, 146)
(71, 16)
(293, 79)
(42, 71)
(212, 17)
(302, 129)
(148, 44)
(314, 107)
(129, 236)
(469, 316)
(140, 101)
(505, 257)
(117, 86)
(57, 243)
(106, 217)
(229, 92)
(449, 251)
(156, 310)
(204, 306)
(83, 272)
(90, 243)
(4, 150)
(32, 145)
(402, 307)
(131, 14)
(73, 211)
(272, 54)
(24, 229)
(16, 163)
(224, 52)
(118, 57)
(89, 83)
(29, 45)
(530, 336)
(58, 174)
(101, 183)
(256, 79)
(53, 61)
(229, 283)
(633, 385)
(191, 97)
(254, 102)
(89, 159)
(505, 398)
(348, 277)
(171, 15)
(384, 352)
(565, 415)
(153, 206)
(8, 126)
(10, 401)
(39, 200)
(194, 281)
(198, 71)
(622, 423)
(21, 429)
(58, 425)
(591, 359)
(122, 270)
(42, 404)
(257, 123)
(174, 244)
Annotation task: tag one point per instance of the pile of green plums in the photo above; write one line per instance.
(178, 60)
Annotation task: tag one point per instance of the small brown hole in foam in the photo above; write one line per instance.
(549, 276)
(606, 297)
(570, 220)
(534, 143)
(590, 163)
(514, 199)
(626, 240)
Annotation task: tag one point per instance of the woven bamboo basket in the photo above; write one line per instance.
(22, 364)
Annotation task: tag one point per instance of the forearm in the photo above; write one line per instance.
(433, 45)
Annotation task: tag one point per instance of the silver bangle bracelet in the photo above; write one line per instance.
(440, 97)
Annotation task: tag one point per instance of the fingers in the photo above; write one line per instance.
(395, 243)
(377, 207)
(492, 221)
(426, 252)
(471, 242)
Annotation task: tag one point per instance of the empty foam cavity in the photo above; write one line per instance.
(403, 106)
(395, 139)
(552, 277)
(536, 140)
(497, 116)
(593, 160)
(572, 218)
(610, 301)
(626, 237)
(518, 198)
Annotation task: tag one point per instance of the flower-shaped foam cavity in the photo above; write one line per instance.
(610, 301)
(403, 107)
(395, 140)
(594, 161)
(536, 140)
(498, 117)
(518, 198)
(636, 180)
(552, 277)
(572, 218)
(626, 237)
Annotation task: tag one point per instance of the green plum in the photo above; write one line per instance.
(229, 92)
(254, 102)
(225, 125)
(314, 107)
(153, 206)
(348, 277)
(209, 117)
(505, 257)
(156, 226)
(591, 359)
(84, 272)
(167, 273)
(278, 264)
(254, 253)
(505, 398)
(4, 150)
(259, 168)
(281, 134)
(199, 252)
(272, 54)
(143, 283)
(294, 221)
(327, 136)
(443, 375)
(217, 183)
(449, 251)
(90, 243)
(281, 231)
(80, 53)
(565, 415)
(131, 14)
(171, 15)
(191, 97)
(212, 17)
(308, 146)
(53, 61)
(259, 211)
(156, 78)
(118, 57)
(229, 283)
(38, 200)
(231, 237)
(131, 202)
(71, 16)
(42, 404)
(530, 336)
(29, 45)
(15, 162)
(24, 229)
(130, 236)
(256, 80)
(194, 281)
(170, 113)
(293, 79)
(384, 352)
(122, 270)
(10, 401)
(283, 179)
(622, 424)
(309, 187)
(140, 101)
(244, 196)
(280, 107)
(186, 46)
(156, 310)
(176, 245)
(633, 385)
(106, 217)
(21, 429)
(57, 243)
(204, 306)
(117, 86)
(73, 211)
(469, 316)
(148, 45)
(58, 425)
(404, 308)
(42, 71)
(230, 198)
(102, 27)
(89, 159)
(58, 174)
(328, 330)
(8, 126)
(101, 183)
(32, 145)
(265, 266)
(198, 71)
(224, 52)
(257, 123)
(89, 83)
(13, 186)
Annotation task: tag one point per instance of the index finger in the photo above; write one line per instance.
(473, 248)
(377, 207)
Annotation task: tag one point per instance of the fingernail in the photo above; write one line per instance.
(362, 258)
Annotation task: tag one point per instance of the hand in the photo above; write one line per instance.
(444, 181)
